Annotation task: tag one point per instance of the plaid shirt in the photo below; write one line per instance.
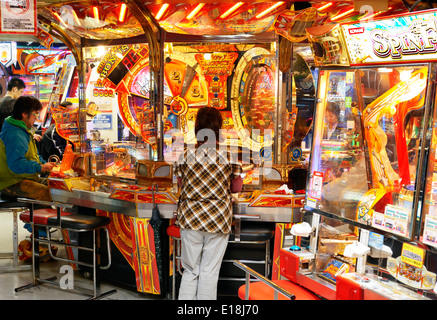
(205, 198)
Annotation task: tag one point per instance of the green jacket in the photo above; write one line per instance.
(19, 157)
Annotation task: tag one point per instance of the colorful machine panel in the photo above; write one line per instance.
(67, 124)
(216, 69)
(253, 99)
(126, 70)
(42, 61)
(144, 256)
(134, 238)
(120, 233)
(194, 76)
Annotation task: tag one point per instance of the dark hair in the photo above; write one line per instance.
(16, 83)
(209, 118)
(26, 104)
(334, 108)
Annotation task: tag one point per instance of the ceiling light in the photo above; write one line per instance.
(122, 12)
(96, 13)
(162, 11)
(60, 19)
(268, 10)
(75, 17)
(374, 15)
(195, 11)
(325, 6)
(342, 14)
(231, 10)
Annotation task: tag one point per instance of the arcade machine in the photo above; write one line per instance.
(371, 219)
(38, 66)
(138, 111)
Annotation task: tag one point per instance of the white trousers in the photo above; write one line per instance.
(201, 256)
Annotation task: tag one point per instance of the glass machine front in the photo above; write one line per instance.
(367, 133)
(364, 170)
(237, 80)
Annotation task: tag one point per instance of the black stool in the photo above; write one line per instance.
(72, 222)
(249, 243)
(11, 204)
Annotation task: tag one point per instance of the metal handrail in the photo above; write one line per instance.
(44, 203)
(250, 272)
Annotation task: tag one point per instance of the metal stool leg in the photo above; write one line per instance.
(14, 255)
(173, 287)
(15, 238)
(267, 261)
(176, 253)
(96, 267)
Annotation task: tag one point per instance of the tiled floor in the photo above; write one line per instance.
(11, 280)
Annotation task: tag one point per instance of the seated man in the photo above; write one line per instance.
(15, 90)
(20, 164)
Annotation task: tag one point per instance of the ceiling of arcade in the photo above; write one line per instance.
(205, 17)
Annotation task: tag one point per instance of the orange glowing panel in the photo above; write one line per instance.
(57, 184)
(231, 10)
(121, 194)
(216, 71)
(158, 198)
(272, 201)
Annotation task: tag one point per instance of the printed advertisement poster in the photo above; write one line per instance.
(404, 38)
(18, 17)
(316, 185)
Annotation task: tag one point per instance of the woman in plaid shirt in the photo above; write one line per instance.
(207, 176)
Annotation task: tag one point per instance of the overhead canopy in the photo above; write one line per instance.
(113, 19)
(107, 19)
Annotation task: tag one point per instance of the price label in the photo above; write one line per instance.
(412, 255)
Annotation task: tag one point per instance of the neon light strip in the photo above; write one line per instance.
(268, 10)
(374, 15)
(96, 12)
(60, 19)
(234, 7)
(343, 14)
(162, 11)
(76, 18)
(195, 11)
(122, 12)
(325, 6)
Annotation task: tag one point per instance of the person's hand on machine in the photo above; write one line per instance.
(48, 166)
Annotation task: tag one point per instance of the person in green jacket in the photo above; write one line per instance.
(20, 164)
